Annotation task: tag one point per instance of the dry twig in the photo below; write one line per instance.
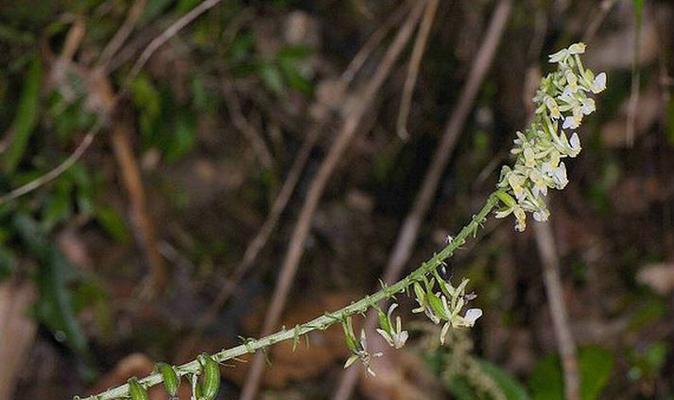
(553, 288)
(413, 70)
(122, 34)
(132, 180)
(257, 142)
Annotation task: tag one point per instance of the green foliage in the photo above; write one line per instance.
(647, 362)
(512, 389)
(26, 117)
(595, 366)
(461, 388)
(54, 307)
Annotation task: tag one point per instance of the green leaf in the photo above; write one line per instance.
(7, 262)
(460, 389)
(638, 8)
(272, 78)
(112, 223)
(54, 307)
(183, 138)
(26, 116)
(512, 389)
(147, 100)
(595, 367)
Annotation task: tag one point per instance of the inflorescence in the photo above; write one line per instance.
(562, 99)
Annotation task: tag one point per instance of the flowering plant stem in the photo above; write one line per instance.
(325, 321)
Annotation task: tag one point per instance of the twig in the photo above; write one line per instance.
(409, 231)
(323, 322)
(171, 31)
(598, 19)
(372, 42)
(58, 170)
(318, 184)
(636, 82)
(553, 288)
(131, 178)
(257, 142)
(122, 34)
(413, 70)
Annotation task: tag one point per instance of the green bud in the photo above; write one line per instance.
(136, 390)
(171, 379)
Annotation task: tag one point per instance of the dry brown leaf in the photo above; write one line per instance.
(660, 277)
(17, 331)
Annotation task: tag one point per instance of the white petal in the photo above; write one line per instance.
(599, 83)
(472, 315)
(574, 141)
(577, 48)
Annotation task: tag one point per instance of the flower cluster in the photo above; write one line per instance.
(446, 304)
(562, 99)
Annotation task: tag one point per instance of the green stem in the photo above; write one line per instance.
(325, 321)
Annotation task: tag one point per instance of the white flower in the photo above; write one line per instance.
(587, 106)
(395, 337)
(472, 315)
(363, 355)
(577, 48)
(574, 144)
(572, 122)
(599, 83)
(541, 215)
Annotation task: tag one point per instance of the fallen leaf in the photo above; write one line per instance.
(660, 277)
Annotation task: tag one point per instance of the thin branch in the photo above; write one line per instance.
(373, 41)
(122, 33)
(257, 142)
(295, 249)
(413, 70)
(58, 170)
(553, 288)
(322, 322)
(132, 180)
(408, 234)
(171, 31)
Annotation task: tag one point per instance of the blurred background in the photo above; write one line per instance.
(169, 168)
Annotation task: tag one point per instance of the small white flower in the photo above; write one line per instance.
(571, 122)
(394, 336)
(587, 106)
(599, 83)
(574, 144)
(577, 48)
(472, 315)
(541, 215)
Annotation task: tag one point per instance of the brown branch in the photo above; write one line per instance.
(413, 70)
(257, 142)
(553, 288)
(318, 184)
(167, 34)
(373, 41)
(122, 33)
(131, 178)
(407, 236)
